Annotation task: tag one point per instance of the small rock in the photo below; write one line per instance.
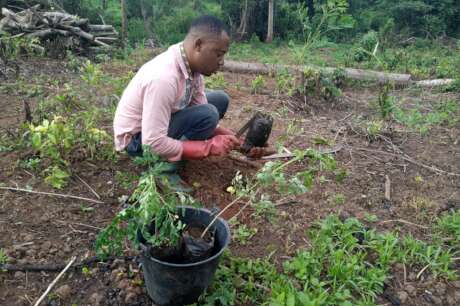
(411, 290)
(123, 284)
(30, 253)
(412, 276)
(402, 296)
(456, 284)
(19, 275)
(436, 300)
(117, 262)
(440, 289)
(53, 251)
(29, 237)
(46, 245)
(12, 260)
(457, 296)
(399, 267)
(95, 299)
(450, 300)
(130, 297)
(64, 291)
(67, 249)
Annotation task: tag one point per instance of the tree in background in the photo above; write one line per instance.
(124, 21)
(269, 38)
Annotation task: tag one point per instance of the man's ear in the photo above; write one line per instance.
(198, 44)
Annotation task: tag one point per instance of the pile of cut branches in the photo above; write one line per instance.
(56, 25)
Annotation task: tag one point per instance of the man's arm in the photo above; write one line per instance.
(158, 98)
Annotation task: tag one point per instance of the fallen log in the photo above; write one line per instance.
(48, 32)
(101, 27)
(434, 83)
(352, 73)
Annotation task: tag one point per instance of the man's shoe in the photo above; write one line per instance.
(176, 183)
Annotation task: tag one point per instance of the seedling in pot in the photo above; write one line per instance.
(153, 216)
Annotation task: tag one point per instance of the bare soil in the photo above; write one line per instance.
(39, 229)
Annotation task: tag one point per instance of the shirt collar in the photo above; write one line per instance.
(185, 60)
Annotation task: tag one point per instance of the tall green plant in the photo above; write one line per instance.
(332, 16)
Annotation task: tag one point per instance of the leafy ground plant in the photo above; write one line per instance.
(346, 264)
(257, 84)
(444, 112)
(149, 207)
(57, 140)
(449, 226)
(216, 81)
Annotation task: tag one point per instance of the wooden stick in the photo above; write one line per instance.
(289, 155)
(421, 271)
(405, 222)
(409, 159)
(241, 210)
(387, 188)
(223, 210)
(81, 224)
(89, 187)
(53, 194)
(58, 267)
(244, 161)
(55, 281)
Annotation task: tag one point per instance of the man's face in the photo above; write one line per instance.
(210, 54)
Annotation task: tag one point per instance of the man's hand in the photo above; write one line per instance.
(223, 144)
(217, 146)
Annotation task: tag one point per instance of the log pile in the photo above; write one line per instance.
(49, 25)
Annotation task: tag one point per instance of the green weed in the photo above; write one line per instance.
(55, 142)
(3, 257)
(242, 234)
(444, 112)
(216, 81)
(257, 84)
(449, 226)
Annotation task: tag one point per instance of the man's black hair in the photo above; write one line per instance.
(208, 24)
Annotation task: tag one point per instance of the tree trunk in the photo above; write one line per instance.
(147, 19)
(242, 31)
(269, 38)
(124, 22)
(357, 74)
(104, 5)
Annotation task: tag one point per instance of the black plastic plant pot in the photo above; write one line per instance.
(171, 284)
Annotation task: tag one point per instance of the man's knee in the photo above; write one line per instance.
(220, 100)
(210, 115)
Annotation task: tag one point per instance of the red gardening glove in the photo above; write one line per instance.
(222, 131)
(216, 146)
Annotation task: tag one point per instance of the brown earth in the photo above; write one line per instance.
(38, 229)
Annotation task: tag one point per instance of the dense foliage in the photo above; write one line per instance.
(169, 19)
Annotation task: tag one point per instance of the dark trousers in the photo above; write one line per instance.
(196, 122)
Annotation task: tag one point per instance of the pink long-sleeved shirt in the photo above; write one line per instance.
(160, 88)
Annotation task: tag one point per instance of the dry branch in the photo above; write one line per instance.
(50, 25)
